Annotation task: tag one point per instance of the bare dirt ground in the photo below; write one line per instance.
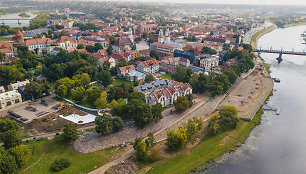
(248, 96)
(52, 123)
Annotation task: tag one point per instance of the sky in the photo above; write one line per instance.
(250, 2)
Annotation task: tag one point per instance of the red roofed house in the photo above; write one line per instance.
(167, 94)
(123, 71)
(126, 55)
(7, 48)
(39, 44)
(67, 43)
(149, 66)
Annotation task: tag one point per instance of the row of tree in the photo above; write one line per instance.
(14, 155)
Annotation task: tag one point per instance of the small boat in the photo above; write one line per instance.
(276, 80)
(278, 111)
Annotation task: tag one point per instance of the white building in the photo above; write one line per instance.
(149, 66)
(209, 62)
(39, 44)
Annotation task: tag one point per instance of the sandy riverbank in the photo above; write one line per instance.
(249, 95)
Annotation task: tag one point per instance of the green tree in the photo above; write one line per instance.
(60, 164)
(22, 155)
(157, 112)
(154, 54)
(78, 93)
(80, 46)
(7, 124)
(213, 125)
(150, 140)
(208, 50)
(182, 74)
(228, 117)
(181, 104)
(141, 149)
(70, 132)
(11, 138)
(117, 124)
(112, 40)
(149, 78)
(104, 77)
(106, 66)
(136, 95)
(33, 90)
(92, 94)
(103, 124)
(97, 47)
(122, 62)
(140, 111)
(176, 140)
(81, 79)
(101, 102)
(109, 50)
(232, 76)
(7, 162)
(62, 91)
(90, 48)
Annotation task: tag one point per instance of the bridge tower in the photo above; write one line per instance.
(280, 58)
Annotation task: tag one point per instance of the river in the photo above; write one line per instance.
(278, 144)
(14, 23)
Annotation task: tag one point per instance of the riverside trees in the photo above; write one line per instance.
(226, 120)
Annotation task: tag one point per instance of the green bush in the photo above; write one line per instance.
(60, 164)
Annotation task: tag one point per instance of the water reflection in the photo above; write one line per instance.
(16, 23)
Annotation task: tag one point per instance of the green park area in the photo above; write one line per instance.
(166, 76)
(118, 81)
(45, 152)
(208, 149)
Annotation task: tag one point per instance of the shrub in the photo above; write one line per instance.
(60, 164)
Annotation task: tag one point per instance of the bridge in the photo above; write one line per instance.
(280, 52)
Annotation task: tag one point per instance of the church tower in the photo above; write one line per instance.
(167, 35)
(161, 36)
(18, 38)
(131, 35)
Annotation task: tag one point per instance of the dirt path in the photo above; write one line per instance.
(33, 163)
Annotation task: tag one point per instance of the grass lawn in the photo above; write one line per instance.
(166, 76)
(119, 81)
(209, 148)
(5, 38)
(44, 152)
(259, 33)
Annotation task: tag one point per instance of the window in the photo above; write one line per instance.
(17, 101)
(8, 103)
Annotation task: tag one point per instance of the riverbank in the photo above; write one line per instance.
(260, 33)
(207, 150)
(254, 90)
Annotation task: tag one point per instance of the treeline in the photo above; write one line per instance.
(87, 26)
(217, 84)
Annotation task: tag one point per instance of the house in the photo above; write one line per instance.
(39, 44)
(103, 59)
(123, 44)
(15, 86)
(7, 48)
(186, 54)
(67, 43)
(126, 55)
(18, 38)
(123, 71)
(164, 91)
(9, 98)
(136, 75)
(149, 66)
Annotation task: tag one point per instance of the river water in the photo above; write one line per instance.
(16, 23)
(278, 145)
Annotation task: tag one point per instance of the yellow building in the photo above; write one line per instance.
(9, 98)
(135, 54)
